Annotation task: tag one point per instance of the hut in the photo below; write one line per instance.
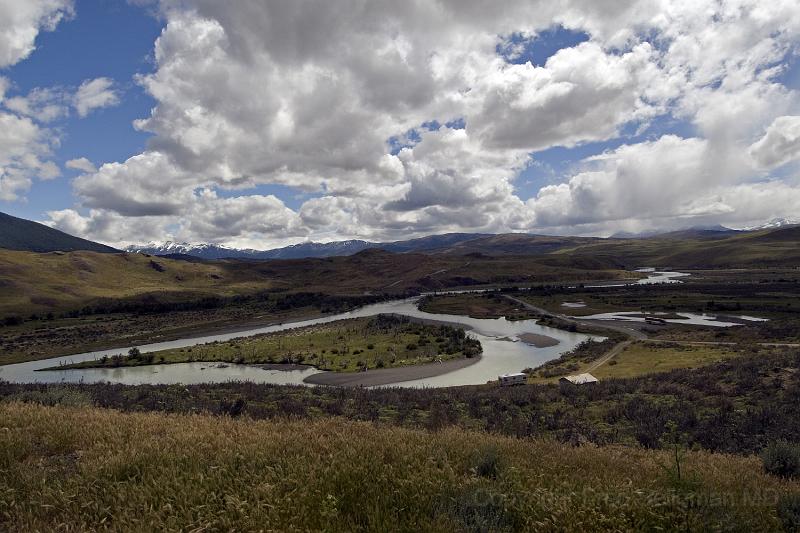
(579, 379)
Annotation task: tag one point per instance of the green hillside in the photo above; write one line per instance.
(766, 248)
(20, 234)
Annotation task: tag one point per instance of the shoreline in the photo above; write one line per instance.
(388, 376)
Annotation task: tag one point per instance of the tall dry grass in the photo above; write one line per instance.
(78, 469)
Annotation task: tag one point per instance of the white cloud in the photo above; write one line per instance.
(108, 227)
(43, 105)
(306, 94)
(581, 94)
(205, 217)
(81, 164)
(95, 94)
(22, 20)
(147, 184)
(648, 183)
(780, 144)
(24, 146)
(24, 149)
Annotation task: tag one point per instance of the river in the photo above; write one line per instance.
(502, 353)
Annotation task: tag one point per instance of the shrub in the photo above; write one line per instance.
(789, 511)
(478, 509)
(13, 320)
(233, 409)
(488, 463)
(782, 459)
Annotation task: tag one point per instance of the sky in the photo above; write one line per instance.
(262, 123)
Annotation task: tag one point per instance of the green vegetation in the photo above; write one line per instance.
(626, 359)
(642, 358)
(739, 405)
(384, 341)
(61, 282)
(574, 360)
(735, 294)
(84, 469)
(782, 458)
(492, 305)
(140, 321)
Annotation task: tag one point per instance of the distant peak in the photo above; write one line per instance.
(778, 222)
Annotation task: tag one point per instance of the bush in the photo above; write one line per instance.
(488, 463)
(479, 509)
(13, 320)
(782, 459)
(68, 396)
(789, 511)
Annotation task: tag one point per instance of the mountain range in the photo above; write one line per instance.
(306, 249)
(20, 234)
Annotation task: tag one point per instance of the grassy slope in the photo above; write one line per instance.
(344, 345)
(34, 282)
(56, 281)
(20, 234)
(641, 358)
(760, 249)
(79, 468)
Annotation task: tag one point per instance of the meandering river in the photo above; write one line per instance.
(503, 353)
(499, 356)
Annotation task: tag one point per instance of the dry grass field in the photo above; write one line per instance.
(78, 469)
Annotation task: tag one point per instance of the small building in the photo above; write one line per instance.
(507, 380)
(579, 379)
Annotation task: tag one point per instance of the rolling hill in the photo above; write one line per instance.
(752, 249)
(57, 281)
(20, 234)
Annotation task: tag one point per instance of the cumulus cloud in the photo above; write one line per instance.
(649, 178)
(25, 147)
(21, 22)
(581, 94)
(404, 119)
(24, 150)
(82, 164)
(780, 144)
(95, 94)
(43, 105)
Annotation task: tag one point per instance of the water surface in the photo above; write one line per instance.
(499, 356)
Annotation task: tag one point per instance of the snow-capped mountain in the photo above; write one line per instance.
(216, 251)
(302, 250)
(781, 222)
